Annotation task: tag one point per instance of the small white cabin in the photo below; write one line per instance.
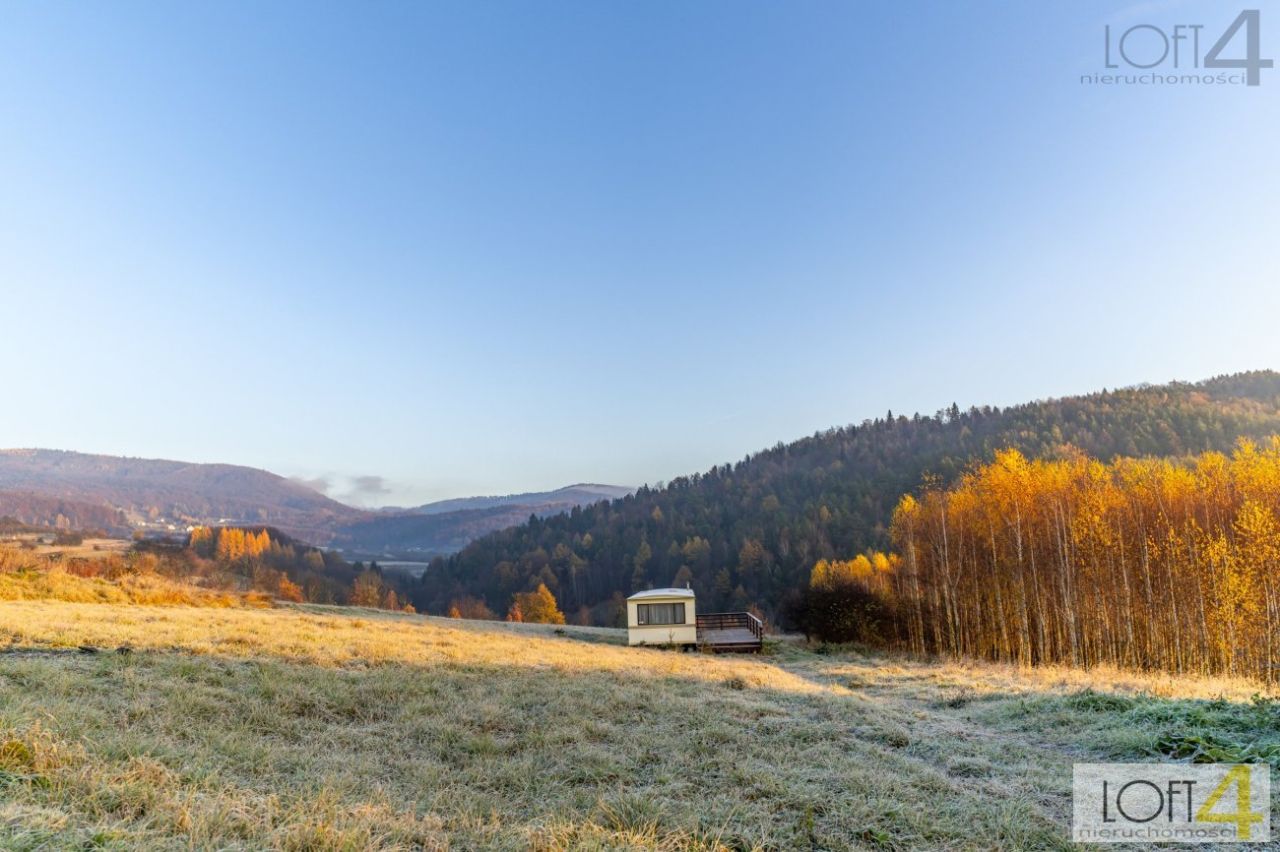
(662, 617)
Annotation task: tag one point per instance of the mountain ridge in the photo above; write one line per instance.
(447, 526)
(562, 494)
(124, 494)
(152, 492)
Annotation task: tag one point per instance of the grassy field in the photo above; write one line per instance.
(89, 548)
(150, 589)
(315, 728)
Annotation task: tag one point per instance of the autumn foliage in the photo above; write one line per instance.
(268, 561)
(873, 571)
(850, 600)
(1140, 563)
(538, 606)
(470, 607)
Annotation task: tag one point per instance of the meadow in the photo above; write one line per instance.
(125, 726)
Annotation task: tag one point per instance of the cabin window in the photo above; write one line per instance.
(663, 613)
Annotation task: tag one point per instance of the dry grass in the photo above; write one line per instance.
(150, 589)
(1001, 680)
(90, 548)
(34, 545)
(318, 728)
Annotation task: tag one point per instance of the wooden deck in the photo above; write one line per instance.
(730, 631)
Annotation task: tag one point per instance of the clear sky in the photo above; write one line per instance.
(485, 247)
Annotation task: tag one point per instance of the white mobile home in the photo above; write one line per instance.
(662, 617)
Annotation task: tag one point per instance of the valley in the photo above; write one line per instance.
(122, 497)
(235, 687)
(638, 427)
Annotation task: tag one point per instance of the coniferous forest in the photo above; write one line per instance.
(749, 534)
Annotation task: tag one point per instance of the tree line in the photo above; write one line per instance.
(1141, 563)
(266, 560)
(749, 534)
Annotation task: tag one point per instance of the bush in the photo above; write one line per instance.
(844, 613)
(470, 607)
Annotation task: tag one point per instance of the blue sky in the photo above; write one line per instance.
(484, 247)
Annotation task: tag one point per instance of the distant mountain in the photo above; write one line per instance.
(581, 494)
(447, 526)
(69, 489)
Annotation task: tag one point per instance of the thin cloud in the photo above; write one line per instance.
(366, 489)
(319, 483)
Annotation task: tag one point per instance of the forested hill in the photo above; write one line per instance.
(77, 490)
(748, 533)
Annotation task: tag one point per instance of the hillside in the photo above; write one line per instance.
(749, 533)
(314, 728)
(118, 494)
(59, 513)
(225, 562)
(69, 490)
(449, 525)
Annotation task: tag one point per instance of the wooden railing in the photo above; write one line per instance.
(730, 621)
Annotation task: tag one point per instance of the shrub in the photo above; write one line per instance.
(844, 613)
(289, 590)
(470, 607)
